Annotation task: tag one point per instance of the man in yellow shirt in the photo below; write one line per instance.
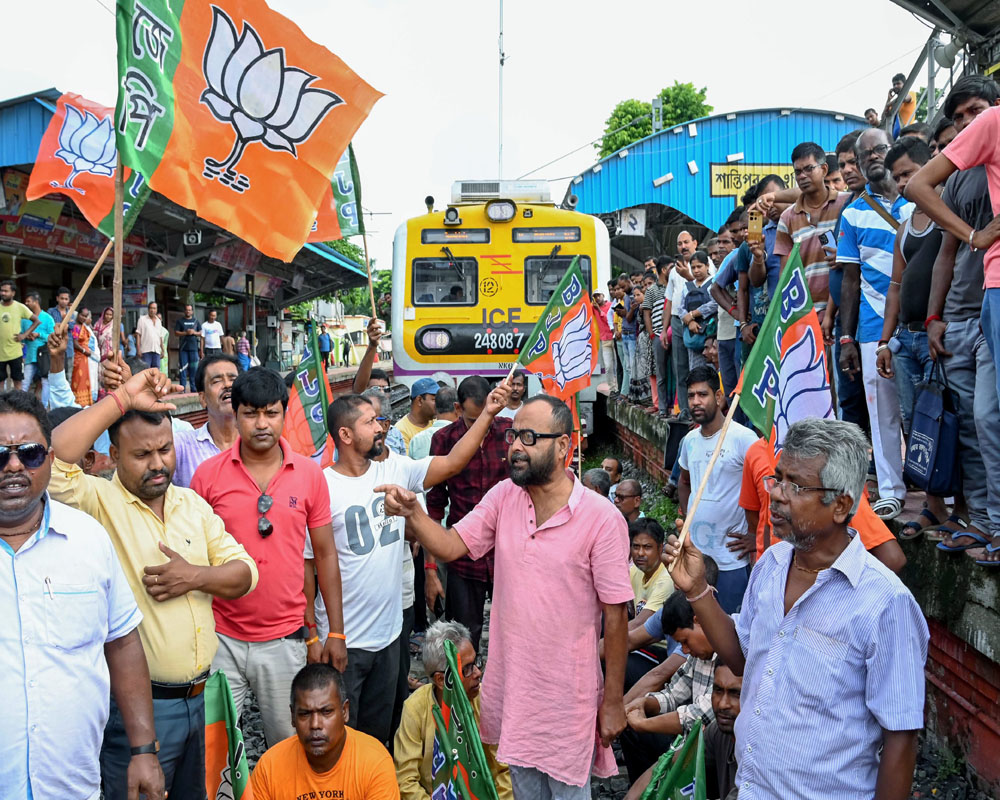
(176, 555)
(11, 352)
(413, 749)
(651, 582)
(422, 410)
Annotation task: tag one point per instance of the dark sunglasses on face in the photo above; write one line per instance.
(30, 454)
(264, 526)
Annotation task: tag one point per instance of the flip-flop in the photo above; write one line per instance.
(990, 548)
(912, 529)
(978, 541)
(937, 534)
(889, 506)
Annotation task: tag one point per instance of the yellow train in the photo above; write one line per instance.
(469, 282)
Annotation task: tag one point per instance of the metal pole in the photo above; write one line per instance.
(500, 107)
(116, 285)
(931, 72)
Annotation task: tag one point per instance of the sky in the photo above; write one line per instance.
(568, 63)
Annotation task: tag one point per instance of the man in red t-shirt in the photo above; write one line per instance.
(601, 309)
(268, 496)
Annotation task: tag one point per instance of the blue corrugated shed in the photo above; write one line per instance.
(727, 151)
(23, 121)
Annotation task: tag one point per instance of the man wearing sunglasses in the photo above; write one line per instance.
(269, 496)
(830, 643)
(176, 555)
(533, 521)
(370, 545)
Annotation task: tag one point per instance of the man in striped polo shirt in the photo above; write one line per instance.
(810, 222)
(867, 237)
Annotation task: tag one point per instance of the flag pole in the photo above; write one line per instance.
(368, 271)
(86, 285)
(735, 402)
(116, 285)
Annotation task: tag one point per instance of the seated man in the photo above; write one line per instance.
(654, 720)
(325, 758)
(415, 745)
(628, 499)
(613, 466)
(720, 739)
(651, 582)
(597, 480)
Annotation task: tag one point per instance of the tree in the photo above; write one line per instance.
(635, 121)
(681, 102)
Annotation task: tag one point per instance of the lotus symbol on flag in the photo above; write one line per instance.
(572, 352)
(804, 390)
(265, 101)
(87, 144)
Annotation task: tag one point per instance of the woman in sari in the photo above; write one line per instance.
(643, 369)
(104, 334)
(80, 381)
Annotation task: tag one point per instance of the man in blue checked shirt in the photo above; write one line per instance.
(69, 639)
(830, 644)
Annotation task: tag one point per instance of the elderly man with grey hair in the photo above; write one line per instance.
(413, 748)
(831, 645)
(598, 480)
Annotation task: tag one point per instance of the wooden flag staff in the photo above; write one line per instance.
(734, 404)
(368, 270)
(86, 285)
(116, 286)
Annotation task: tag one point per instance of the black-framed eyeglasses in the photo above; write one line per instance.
(30, 454)
(264, 526)
(625, 496)
(879, 150)
(771, 483)
(467, 669)
(806, 170)
(527, 436)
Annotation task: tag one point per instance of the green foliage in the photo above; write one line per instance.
(681, 102)
(624, 114)
(349, 249)
(357, 301)
(920, 115)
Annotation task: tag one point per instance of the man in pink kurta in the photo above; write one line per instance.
(543, 689)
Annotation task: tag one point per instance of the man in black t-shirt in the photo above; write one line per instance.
(188, 331)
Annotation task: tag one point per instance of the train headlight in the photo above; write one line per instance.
(435, 339)
(500, 210)
(451, 217)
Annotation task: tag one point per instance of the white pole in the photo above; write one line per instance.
(500, 114)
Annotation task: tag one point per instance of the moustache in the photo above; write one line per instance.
(149, 474)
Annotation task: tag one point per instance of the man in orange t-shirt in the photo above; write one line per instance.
(755, 501)
(325, 758)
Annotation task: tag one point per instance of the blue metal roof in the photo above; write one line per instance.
(23, 121)
(702, 167)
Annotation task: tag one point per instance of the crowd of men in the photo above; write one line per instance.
(781, 619)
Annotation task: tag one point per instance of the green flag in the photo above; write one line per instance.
(459, 767)
(680, 772)
(347, 194)
(226, 771)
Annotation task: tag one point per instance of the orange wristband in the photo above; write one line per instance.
(337, 636)
(312, 641)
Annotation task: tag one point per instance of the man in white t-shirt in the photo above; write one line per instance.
(212, 332)
(719, 526)
(370, 545)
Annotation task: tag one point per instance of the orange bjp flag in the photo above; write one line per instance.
(230, 110)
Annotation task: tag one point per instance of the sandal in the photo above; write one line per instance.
(912, 529)
(990, 548)
(941, 531)
(978, 540)
(887, 508)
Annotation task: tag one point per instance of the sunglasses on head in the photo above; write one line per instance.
(264, 526)
(31, 454)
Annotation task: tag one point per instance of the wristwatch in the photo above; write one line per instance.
(153, 747)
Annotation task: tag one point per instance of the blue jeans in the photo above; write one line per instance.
(626, 354)
(912, 365)
(152, 359)
(731, 586)
(990, 322)
(729, 363)
(180, 729)
(189, 366)
(850, 394)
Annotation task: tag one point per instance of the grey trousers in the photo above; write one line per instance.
(972, 374)
(529, 783)
(660, 356)
(680, 361)
(268, 668)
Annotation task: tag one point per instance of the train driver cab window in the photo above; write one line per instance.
(542, 275)
(445, 281)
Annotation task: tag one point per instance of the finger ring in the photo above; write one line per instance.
(156, 579)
